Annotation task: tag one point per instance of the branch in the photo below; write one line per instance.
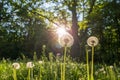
(92, 3)
(51, 20)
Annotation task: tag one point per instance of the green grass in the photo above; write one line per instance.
(51, 70)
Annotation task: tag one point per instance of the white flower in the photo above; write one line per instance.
(40, 62)
(58, 54)
(102, 69)
(96, 73)
(118, 76)
(44, 46)
(111, 67)
(104, 72)
(92, 41)
(16, 65)
(66, 40)
(72, 64)
(29, 65)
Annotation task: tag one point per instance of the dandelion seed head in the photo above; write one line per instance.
(16, 65)
(58, 54)
(66, 40)
(40, 62)
(102, 69)
(30, 65)
(118, 76)
(96, 73)
(104, 72)
(111, 67)
(92, 41)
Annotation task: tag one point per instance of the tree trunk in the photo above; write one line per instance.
(75, 48)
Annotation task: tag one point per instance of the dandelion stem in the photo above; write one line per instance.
(87, 64)
(65, 50)
(14, 74)
(92, 78)
(31, 76)
(28, 78)
(40, 73)
(61, 71)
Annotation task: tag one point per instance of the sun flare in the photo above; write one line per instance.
(61, 31)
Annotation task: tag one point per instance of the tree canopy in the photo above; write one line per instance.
(27, 25)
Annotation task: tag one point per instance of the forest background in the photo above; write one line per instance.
(28, 26)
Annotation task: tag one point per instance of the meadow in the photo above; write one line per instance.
(55, 69)
(68, 27)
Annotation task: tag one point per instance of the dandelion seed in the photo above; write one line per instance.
(16, 65)
(30, 65)
(92, 41)
(66, 40)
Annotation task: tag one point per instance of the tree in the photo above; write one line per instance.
(65, 12)
(20, 28)
(104, 23)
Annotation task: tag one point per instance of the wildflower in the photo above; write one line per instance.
(104, 72)
(96, 73)
(16, 65)
(58, 54)
(92, 41)
(44, 46)
(66, 40)
(40, 62)
(102, 69)
(111, 67)
(118, 76)
(72, 64)
(30, 65)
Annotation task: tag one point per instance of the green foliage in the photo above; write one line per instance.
(83, 25)
(103, 22)
(52, 70)
(23, 27)
(19, 27)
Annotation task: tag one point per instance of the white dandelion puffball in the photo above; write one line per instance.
(40, 62)
(16, 65)
(29, 65)
(92, 41)
(111, 67)
(58, 54)
(66, 40)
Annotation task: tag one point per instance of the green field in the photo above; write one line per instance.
(54, 70)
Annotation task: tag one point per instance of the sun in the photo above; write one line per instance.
(61, 31)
